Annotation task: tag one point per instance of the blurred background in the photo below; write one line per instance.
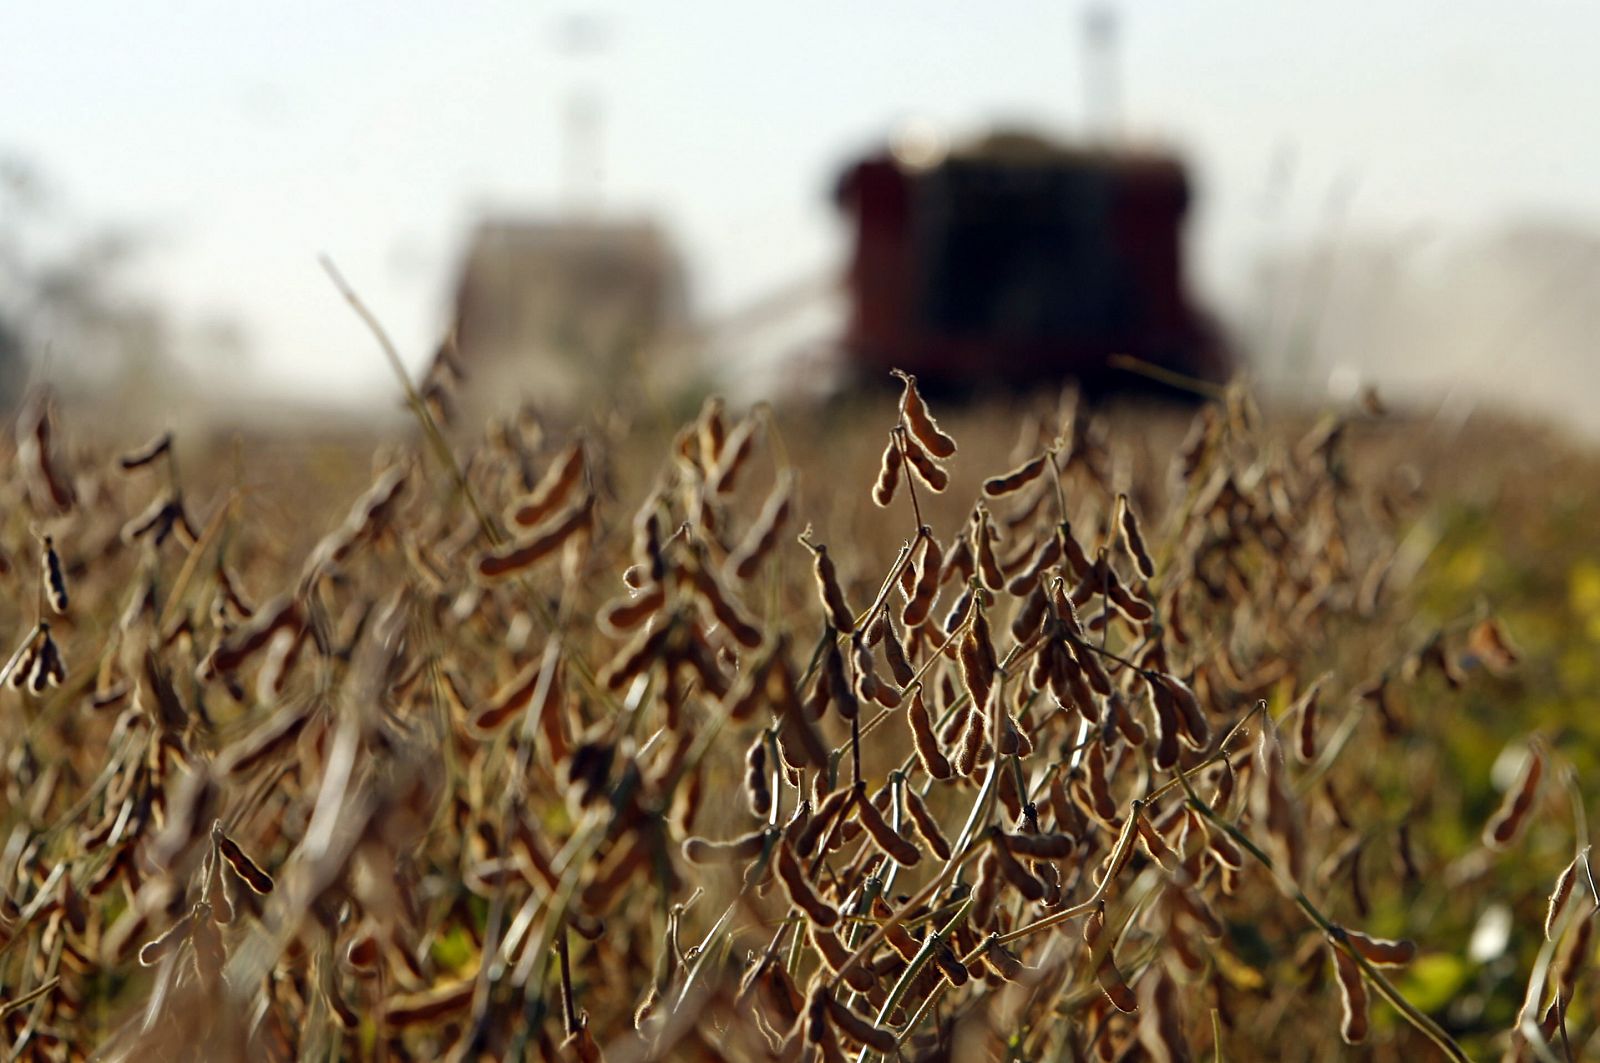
(779, 200)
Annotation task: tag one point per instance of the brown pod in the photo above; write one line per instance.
(834, 605)
(152, 951)
(1020, 877)
(552, 491)
(1041, 846)
(144, 455)
(722, 607)
(514, 697)
(894, 652)
(735, 456)
(1512, 816)
(430, 1006)
(950, 965)
(1004, 962)
(835, 954)
(888, 473)
(247, 869)
(801, 895)
(926, 592)
(515, 557)
(1559, 896)
(989, 571)
(1128, 525)
(899, 848)
(757, 785)
(927, 826)
(55, 581)
(925, 468)
(1381, 952)
(972, 742)
(637, 656)
(622, 615)
(1016, 479)
(929, 754)
(1305, 731)
(1110, 979)
(1353, 995)
(763, 534)
(858, 1029)
(828, 810)
(705, 851)
(921, 422)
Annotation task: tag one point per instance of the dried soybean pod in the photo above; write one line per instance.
(1559, 896)
(899, 848)
(1128, 525)
(1353, 995)
(1003, 960)
(836, 955)
(247, 869)
(1381, 952)
(828, 589)
(757, 785)
(888, 473)
(623, 615)
(921, 422)
(553, 489)
(925, 468)
(828, 810)
(801, 895)
(152, 951)
(706, 851)
(1019, 876)
(928, 577)
(894, 652)
(735, 456)
(983, 547)
(55, 581)
(514, 557)
(950, 965)
(1305, 731)
(858, 1029)
(763, 534)
(929, 754)
(144, 455)
(1015, 480)
(927, 826)
(1110, 979)
(1512, 815)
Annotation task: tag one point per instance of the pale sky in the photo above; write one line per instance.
(243, 139)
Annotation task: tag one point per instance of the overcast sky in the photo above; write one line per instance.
(243, 139)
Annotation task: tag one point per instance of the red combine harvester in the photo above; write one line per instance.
(1018, 261)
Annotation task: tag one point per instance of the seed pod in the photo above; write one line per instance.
(552, 491)
(944, 957)
(828, 810)
(716, 601)
(511, 699)
(1305, 746)
(430, 1006)
(929, 754)
(858, 1029)
(1094, 763)
(925, 468)
(763, 534)
(1128, 525)
(1019, 876)
(757, 786)
(1041, 846)
(1353, 994)
(929, 567)
(899, 848)
(1111, 981)
(927, 826)
(1016, 479)
(921, 422)
(622, 615)
(983, 549)
(55, 582)
(1511, 817)
(735, 455)
(206, 943)
(1003, 960)
(972, 742)
(247, 869)
(144, 455)
(705, 851)
(1559, 896)
(1192, 726)
(1381, 952)
(834, 605)
(835, 954)
(515, 557)
(634, 658)
(888, 473)
(152, 951)
(894, 652)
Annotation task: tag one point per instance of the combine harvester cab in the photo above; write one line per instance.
(1017, 262)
